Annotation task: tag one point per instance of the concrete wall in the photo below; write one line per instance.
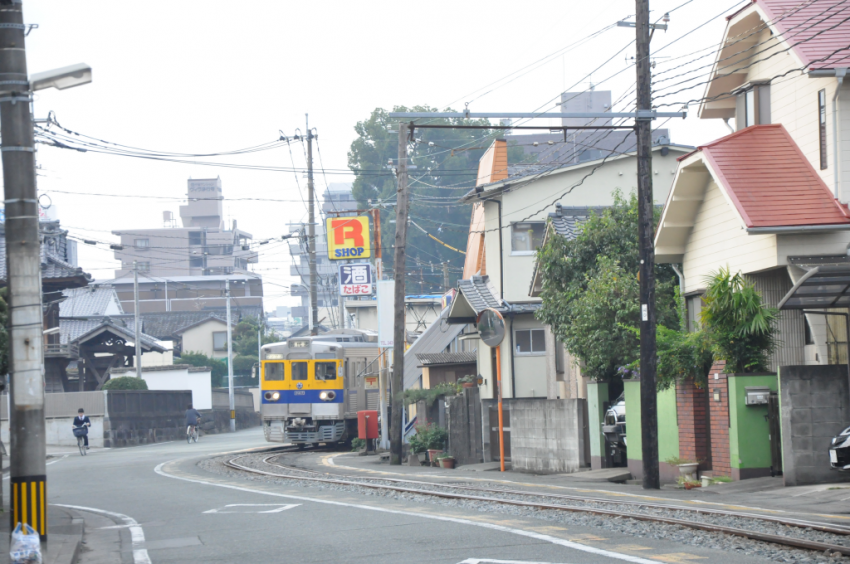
(597, 396)
(58, 431)
(181, 378)
(668, 431)
(749, 430)
(546, 436)
(815, 407)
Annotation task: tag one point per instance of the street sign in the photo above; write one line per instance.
(355, 279)
(348, 237)
(491, 327)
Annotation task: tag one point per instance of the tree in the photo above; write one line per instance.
(218, 367)
(590, 290)
(446, 162)
(126, 383)
(741, 328)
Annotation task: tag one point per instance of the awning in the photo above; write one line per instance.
(822, 287)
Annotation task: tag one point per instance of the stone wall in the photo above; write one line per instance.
(464, 418)
(692, 418)
(546, 436)
(718, 407)
(815, 407)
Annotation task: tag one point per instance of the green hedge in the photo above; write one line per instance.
(126, 383)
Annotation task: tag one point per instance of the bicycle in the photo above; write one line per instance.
(192, 434)
(80, 433)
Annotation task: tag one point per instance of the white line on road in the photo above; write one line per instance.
(140, 555)
(492, 526)
(48, 464)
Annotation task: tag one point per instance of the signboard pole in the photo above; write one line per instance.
(501, 420)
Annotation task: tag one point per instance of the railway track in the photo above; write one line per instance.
(469, 493)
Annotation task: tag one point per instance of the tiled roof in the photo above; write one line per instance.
(815, 30)
(88, 301)
(770, 181)
(80, 329)
(478, 293)
(432, 359)
(52, 268)
(165, 325)
(565, 221)
(163, 368)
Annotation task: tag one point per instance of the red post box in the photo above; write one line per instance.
(367, 424)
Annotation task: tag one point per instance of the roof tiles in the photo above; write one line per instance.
(770, 181)
(817, 30)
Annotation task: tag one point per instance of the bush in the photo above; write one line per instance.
(742, 329)
(357, 444)
(429, 395)
(126, 383)
(428, 437)
(218, 367)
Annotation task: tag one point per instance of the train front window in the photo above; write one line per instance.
(273, 371)
(325, 371)
(299, 370)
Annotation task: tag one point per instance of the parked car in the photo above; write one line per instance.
(614, 429)
(839, 452)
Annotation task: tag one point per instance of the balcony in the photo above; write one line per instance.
(56, 350)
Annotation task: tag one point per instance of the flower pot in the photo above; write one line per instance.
(691, 485)
(432, 456)
(689, 470)
(706, 481)
(447, 462)
(469, 384)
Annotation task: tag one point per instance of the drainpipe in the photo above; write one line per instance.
(681, 280)
(731, 129)
(839, 74)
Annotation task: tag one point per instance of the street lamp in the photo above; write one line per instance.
(61, 78)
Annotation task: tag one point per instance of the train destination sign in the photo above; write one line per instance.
(355, 279)
(348, 238)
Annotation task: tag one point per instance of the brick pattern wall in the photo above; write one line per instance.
(719, 417)
(692, 414)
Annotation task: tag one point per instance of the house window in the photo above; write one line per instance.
(196, 262)
(694, 310)
(822, 128)
(530, 341)
(143, 266)
(194, 237)
(143, 244)
(220, 341)
(526, 237)
(753, 106)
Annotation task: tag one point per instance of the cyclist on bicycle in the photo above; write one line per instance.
(192, 419)
(82, 421)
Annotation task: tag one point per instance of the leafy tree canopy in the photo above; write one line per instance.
(218, 367)
(591, 290)
(446, 162)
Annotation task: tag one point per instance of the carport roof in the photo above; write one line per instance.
(826, 285)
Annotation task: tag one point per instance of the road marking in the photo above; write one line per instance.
(140, 555)
(48, 464)
(278, 507)
(491, 526)
(488, 561)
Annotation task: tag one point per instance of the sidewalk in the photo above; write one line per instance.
(64, 536)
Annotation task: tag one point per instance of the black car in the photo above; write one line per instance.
(839, 452)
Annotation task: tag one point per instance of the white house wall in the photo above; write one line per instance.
(200, 383)
(200, 339)
(718, 240)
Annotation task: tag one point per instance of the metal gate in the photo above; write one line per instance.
(494, 433)
(775, 436)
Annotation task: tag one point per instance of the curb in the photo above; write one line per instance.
(63, 546)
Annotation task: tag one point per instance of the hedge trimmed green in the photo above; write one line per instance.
(126, 383)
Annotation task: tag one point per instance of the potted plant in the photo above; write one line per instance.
(687, 467)
(468, 381)
(430, 438)
(446, 461)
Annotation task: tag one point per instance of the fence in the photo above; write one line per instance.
(64, 405)
(242, 399)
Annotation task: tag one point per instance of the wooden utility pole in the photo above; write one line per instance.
(446, 277)
(648, 359)
(398, 322)
(311, 233)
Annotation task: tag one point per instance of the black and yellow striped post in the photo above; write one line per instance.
(29, 503)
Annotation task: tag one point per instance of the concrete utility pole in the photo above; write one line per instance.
(311, 233)
(446, 287)
(397, 385)
(648, 360)
(230, 397)
(341, 301)
(138, 359)
(23, 268)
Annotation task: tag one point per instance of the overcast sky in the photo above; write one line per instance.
(203, 76)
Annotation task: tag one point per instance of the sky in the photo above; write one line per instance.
(208, 76)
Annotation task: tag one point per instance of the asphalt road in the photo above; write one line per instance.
(153, 504)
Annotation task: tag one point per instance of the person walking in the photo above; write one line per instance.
(80, 421)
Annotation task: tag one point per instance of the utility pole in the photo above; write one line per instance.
(398, 323)
(136, 338)
(446, 277)
(341, 302)
(230, 397)
(311, 233)
(23, 268)
(648, 359)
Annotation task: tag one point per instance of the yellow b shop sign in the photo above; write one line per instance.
(348, 238)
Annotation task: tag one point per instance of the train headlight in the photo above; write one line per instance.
(329, 395)
(275, 396)
(272, 396)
